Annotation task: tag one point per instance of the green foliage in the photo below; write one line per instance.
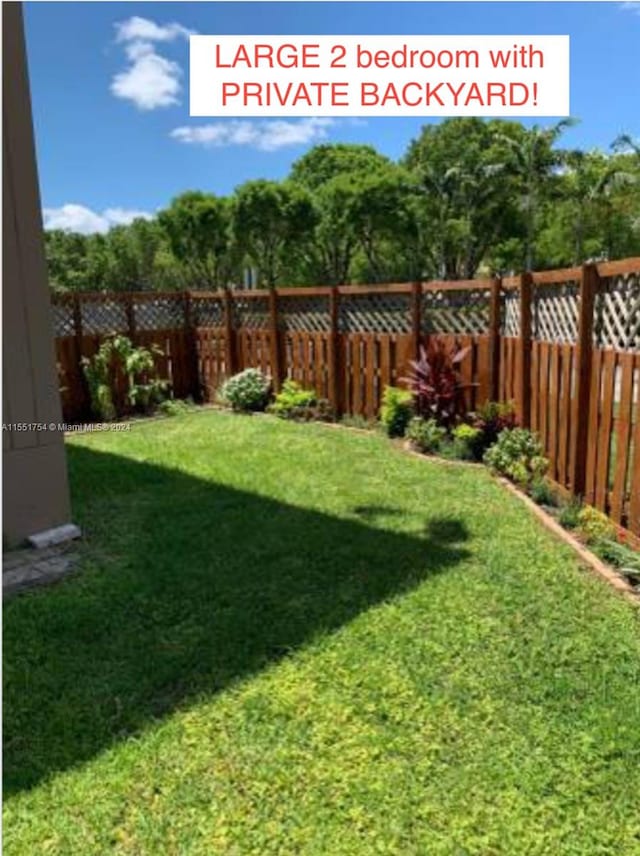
(396, 410)
(491, 418)
(295, 402)
(518, 455)
(175, 407)
(246, 391)
(467, 442)
(355, 420)
(594, 526)
(425, 435)
(619, 555)
(122, 378)
(569, 513)
(541, 492)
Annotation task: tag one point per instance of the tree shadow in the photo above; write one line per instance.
(187, 587)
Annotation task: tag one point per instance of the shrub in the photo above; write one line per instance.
(122, 377)
(396, 410)
(595, 526)
(295, 402)
(466, 443)
(619, 555)
(246, 391)
(492, 418)
(541, 493)
(354, 420)
(517, 454)
(569, 514)
(435, 383)
(425, 434)
(175, 407)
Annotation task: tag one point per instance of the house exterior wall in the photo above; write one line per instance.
(35, 488)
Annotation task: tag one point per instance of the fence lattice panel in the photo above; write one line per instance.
(159, 313)
(554, 313)
(63, 320)
(103, 315)
(251, 313)
(462, 312)
(304, 314)
(207, 311)
(617, 314)
(510, 314)
(382, 312)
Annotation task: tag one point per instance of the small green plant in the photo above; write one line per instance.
(492, 418)
(175, 407)
(246, 391)
(396, 410)
(620, 556)
(595, 526)
(541, 493)
(354, 420)
(425, 435)
(293, 401)
(122, 377)
(518, 455)
(466, 442)
(569, 514)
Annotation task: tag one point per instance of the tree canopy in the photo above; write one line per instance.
(468, 197)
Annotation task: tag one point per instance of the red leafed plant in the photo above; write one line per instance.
(436, 384)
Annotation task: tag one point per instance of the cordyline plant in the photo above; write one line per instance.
(435, 382)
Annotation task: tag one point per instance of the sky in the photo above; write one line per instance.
(109, 87)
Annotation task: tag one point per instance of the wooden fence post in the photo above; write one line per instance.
(229, 335)
(589, 285)
(524, 381)
(335, 395)
(274, 337)
(495, 321)
(416, 318)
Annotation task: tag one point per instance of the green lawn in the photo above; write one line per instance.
(288, 639)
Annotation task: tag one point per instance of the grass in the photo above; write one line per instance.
(287, 639)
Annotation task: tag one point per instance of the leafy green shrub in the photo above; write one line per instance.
(175, 407)
(517, 454)
(541, 493)
(295, 402)
(466, 443)
(595, 526)
(396, 410)
(569, 514)
(492, 418)
(620, 556)
(436, 383)
(122, 377)
(246, 391)
(425, 434)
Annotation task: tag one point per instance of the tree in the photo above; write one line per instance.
(198, 229)
(269, 220)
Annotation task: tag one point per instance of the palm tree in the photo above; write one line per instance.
(533, 160)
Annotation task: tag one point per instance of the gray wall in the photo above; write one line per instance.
(35, 489)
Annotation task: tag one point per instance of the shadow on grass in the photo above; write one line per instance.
(187, 587)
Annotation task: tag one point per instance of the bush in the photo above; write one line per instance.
(436, 384)
(541, 492)
(569, 514)
(466, 443)
(620, 556)
(396, 410)
(292, 400)
(595, 526)
(123, 378)
(175, 407)
(517, 454)
(247, 391)
(492, 419)
(354, 420)
(425, 434)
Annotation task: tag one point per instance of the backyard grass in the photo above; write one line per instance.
(287, 639)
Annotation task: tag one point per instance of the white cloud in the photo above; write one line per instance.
(78, 218)
(150, 80)
(631, 6)
(266, 136)
(142, 29)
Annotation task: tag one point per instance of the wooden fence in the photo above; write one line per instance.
(563, 345)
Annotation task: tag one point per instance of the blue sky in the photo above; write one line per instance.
(109, 91)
